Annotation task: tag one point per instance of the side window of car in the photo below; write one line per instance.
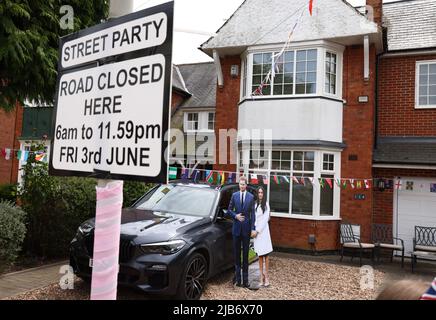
(226, 195)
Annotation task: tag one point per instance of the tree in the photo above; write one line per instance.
(29, 40)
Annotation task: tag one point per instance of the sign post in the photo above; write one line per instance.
(111, 117)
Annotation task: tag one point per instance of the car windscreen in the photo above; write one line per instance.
(180, 200)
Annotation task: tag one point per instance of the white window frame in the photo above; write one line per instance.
(318, 157)
(322, 48)
(203, 121)
(418, 64)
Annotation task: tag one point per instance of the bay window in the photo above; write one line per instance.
(309, 70)
(291, 179)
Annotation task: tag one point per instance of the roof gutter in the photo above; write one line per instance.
(411, 52)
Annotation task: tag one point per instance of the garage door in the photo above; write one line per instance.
(414, 205)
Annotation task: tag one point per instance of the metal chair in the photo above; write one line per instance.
(382, 237)
(350, 241)
(424, 244)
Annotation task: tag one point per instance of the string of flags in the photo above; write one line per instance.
(216, 177)
(22, 155)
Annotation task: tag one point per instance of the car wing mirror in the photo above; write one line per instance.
(222, 214)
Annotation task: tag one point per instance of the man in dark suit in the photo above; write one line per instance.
(241, 209)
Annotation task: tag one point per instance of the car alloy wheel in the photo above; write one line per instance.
(195, 278)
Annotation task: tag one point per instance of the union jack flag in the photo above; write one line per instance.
(431, 293)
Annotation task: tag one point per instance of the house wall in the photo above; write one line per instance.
(358, 136)
(10, 130)
(226, 114)
(397, 115)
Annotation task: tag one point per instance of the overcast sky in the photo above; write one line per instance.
(204, 16)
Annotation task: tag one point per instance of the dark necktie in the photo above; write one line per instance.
(242, 201)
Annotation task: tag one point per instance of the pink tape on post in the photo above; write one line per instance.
(107, 241)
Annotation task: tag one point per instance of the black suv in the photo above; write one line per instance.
(173, 239)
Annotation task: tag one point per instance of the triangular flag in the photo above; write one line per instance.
(359, 184)
(295, 180)
(286, 179)
(321, 182)
(310, 6)
(329, 182)
(3, 152)
(265, 180)
(231, 178)
(303, 181)
(312, 180)
(344, 184)
(367, 186)
(39, 156)
(276, 180)
(209, 176)
(185, 174)
(223, 178)
(338, 182)
(352, 183)
(172, 172)
(253, 179)
(26, 156)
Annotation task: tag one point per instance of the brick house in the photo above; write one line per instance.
(339, 106)
(352, 98)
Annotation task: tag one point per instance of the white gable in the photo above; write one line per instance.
(259, 22)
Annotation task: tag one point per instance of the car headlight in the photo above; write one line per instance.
(168, 247)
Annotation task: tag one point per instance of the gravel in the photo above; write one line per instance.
(290, 279)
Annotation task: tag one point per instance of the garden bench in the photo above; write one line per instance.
(424, 244)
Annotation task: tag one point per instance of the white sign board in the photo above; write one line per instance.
(111, 119)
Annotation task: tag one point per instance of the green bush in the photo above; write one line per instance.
(56, 206)
(12, 232)
(8, 192)
(132, 191)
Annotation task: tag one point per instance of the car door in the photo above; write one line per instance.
(223, 226)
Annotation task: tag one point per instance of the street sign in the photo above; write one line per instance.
(113, 99)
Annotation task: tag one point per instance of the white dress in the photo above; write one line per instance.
(262, 243)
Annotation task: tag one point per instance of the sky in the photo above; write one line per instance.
(200, 16)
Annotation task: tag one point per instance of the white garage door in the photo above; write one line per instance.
(414, 205)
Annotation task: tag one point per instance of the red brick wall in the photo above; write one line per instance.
(397, 115)
(294, 233)
(10, 130)
(384, 200)
(358, 135)
(226, 116)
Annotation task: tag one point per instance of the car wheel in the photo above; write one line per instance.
(194, 278)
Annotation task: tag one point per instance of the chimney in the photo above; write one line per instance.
(375, 9)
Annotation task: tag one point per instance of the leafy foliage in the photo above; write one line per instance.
(56, 206)
(132, 191)
(29, 40)
(12, 232)
(8, 192)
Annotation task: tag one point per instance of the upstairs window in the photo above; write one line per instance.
(294, 72)
(306, 72)
(192, 122)
(330, 72)
(426, 84)
(211, 121)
